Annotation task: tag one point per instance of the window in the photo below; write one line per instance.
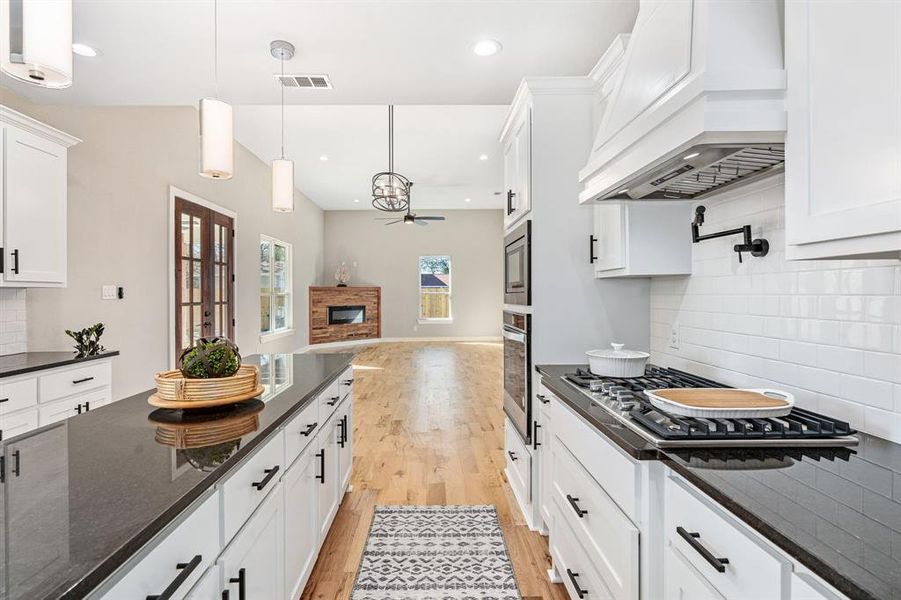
(275, 286)
(435, 288)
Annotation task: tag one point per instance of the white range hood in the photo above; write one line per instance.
(698, 103)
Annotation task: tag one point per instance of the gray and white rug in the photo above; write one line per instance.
(435, 553)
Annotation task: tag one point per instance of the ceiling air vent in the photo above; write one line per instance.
(309, 82)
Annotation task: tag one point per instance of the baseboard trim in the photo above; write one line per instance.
(329, 345)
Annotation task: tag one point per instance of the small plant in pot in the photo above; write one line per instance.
(210, 358)
(87, 341)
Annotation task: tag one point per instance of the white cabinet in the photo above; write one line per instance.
(518, 468)
(33, 159)
(210, 585)
(301, 523)
(327, 476)
(544, 436)
(60, 410)
(517, 145)
(345, 445)
(843, 146)
(681, 581)
(250, 483)
(641, 239)
(252, 565)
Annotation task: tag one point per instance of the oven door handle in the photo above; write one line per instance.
(515, 336)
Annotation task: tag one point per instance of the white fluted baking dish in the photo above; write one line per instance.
(617, 362)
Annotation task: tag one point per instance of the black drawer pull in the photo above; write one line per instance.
(344, 431)
(512, 455)
(535, 442)
(574, 503)
(270, 473)
(224, 594)
(17, 466)
(347, 382)
(77, 381)
(184, 571)
(241, 580)
(87, 406)
(321, 455)
(692, 538)
(543, 399)
(333, 400)
(573, 577)
(341, 432)
(310, 429)
(2, 400)
(591, 255)
(78, 408)
(16, 261)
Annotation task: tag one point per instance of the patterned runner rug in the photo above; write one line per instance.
(435, 553)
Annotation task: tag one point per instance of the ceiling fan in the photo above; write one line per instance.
(410, 217)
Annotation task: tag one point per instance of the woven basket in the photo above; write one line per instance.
(173, 386)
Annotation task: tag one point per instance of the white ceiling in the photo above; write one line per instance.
(405, 52)
(437, 147)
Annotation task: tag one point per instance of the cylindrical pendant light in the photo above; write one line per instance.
(217, 142)
(37, 41)
(282, 168)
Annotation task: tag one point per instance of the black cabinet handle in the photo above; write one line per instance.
(184, 571)
(2, 400)
(16, 261)
(510, 209)
(77, 409)
(241, 580)
(347, 382)
(321, 455)
(344, 431)
(224, 594)
(543, 399)
(574, 503)
(310, 429)
(87, 406)
(17, 465)
(512, 455)
(341, 432)
(333, 400)
(77, 381)
(692, 538)
(270, 473)
(2, 468)
(573, 577)
(591, 242)
(535, 442)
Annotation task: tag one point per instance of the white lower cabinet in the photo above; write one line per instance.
(327, 476)
(253, 564)
(301, 523)
(209, 585)
(681, 581)
(345, 444)
(518, 468)
(575, 567)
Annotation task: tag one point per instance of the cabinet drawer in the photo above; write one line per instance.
(613, 470)
(519, 462)
(681, 581)
(608, 536)
(18, 423)
(246, 488)
(753, 571)
(346, 383)
(194, 542)
(18, 395)
(329, 399)
(71, 407)
(543, 399)
(573, 563)
(60, 384)
(301, 430)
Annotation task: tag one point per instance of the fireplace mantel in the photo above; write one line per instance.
(343, 314)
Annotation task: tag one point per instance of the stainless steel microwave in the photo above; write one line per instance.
(517, 247)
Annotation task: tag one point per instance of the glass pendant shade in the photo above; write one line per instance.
(37, 41)
(217, 146)
(283, 185)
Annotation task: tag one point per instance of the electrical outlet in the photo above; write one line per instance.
(108, 292)
(674, 336)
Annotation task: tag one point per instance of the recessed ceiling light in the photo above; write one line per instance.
(483, 157)
(623, 191)
(84, 50)
(487, 47)
(690, 156)
(356, 200)
(323, 158)
(467, 199)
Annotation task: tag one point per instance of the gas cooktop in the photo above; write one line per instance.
(624, 398)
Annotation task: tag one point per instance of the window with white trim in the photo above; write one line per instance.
(435, 288)
(275, 286)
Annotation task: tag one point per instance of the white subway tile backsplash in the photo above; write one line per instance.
(827, 331)
(13, 320)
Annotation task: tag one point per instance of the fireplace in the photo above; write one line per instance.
(346, 315)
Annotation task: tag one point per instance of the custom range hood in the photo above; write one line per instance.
(697, 102)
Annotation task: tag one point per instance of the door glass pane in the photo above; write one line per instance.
(217, 320)
(217, 243)
(280, 282)
(196, 237)
(196, 282)
(281, 312)
(265, 267)
(198, 322)
(185, 235)
(185, 280)
(264, 313)
(185, 327)
(217, 283)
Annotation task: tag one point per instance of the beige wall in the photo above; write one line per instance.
(119, 179)
(388, 257)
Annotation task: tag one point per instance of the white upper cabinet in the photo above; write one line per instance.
(33, 183)
(843, 147)
(518, 168)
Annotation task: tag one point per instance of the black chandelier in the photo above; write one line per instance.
(390, 190)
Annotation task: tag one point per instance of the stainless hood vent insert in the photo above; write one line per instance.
(703, 170)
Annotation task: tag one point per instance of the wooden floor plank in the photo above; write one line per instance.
(428, 429)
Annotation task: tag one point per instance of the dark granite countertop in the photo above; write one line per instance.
(94, 489)
(28, 362)
(836, 511)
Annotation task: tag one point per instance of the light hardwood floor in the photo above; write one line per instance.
(428, 429)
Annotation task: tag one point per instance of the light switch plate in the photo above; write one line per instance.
(108, 292)
(674, 336)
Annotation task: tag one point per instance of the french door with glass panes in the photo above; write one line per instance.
(204, 274)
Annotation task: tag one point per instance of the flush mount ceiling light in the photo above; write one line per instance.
(467, 199)
(487, 47)
(483, 157)
(390, 190)
(217, 145)
(323, 158)
(85, 50)
(282, 168)
(37, 43)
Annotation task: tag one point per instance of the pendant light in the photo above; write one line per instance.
(390, 190)
(282, 168)
(217, 145)
(37, 41)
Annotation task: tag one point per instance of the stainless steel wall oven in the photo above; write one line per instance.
(518, 372)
